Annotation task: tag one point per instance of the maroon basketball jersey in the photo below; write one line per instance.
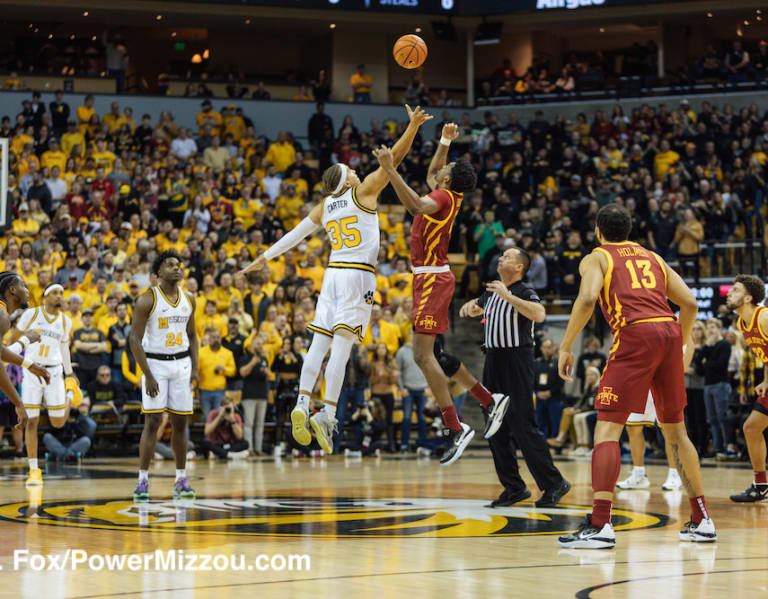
(431, 233)
(756, 339)
(634, 287)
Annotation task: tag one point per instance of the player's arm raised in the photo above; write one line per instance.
(371, 187)
(138, 326)
(291, 239)
(680, 294)
(449, 133)
(413, 203)
(193, 348)
(592, 274)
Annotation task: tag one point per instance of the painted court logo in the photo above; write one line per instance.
(322, 517)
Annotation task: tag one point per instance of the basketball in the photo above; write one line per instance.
(410, 51)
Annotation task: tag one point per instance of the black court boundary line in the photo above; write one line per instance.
(447, 571)
(587, 593)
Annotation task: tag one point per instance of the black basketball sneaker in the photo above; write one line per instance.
(456, 443)
(753, 494)
(589, 536)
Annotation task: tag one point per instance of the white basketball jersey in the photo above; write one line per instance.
(166, 331)
(353, 229)
(53, 330)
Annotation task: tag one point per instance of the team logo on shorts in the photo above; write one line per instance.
(320, 517)
(606, 396)
(428, 322)
(368, 297)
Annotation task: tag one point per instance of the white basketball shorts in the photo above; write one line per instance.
(35, 394)
(345, 302)
(175, 394)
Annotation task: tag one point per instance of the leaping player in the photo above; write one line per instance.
(164, 343)
(433, 285)
(743, 298)
(51, 350)
(348, 214)
(632, 285)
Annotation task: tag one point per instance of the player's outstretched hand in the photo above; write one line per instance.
(41, 372)
(450, 131)
(384, 155)
(257, 264)
(762, 389)
(418, 117)
(565, 366)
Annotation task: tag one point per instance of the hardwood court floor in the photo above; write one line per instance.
(373, 528)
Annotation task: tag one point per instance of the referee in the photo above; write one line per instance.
(510, 308)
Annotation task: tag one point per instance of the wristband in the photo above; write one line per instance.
(27, 363)
(445, 141)
(24, 340)
(69, 373)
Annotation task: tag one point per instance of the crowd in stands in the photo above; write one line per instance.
(95, 197)
(731, 62)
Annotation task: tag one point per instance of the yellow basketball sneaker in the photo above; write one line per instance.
(35, 478)
(299, 428)
(71, 387)
(324, 426)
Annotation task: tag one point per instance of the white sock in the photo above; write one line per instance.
(335, 370)
(639, 470)
(313, 362)
(143, 475)
(303, 402)
(672, 471)
(181, 473)
(33, 463)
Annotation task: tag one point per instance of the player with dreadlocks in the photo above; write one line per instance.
(14, 295)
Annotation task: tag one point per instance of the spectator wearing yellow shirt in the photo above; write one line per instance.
(208, 116)
(288, 206)
(281, 154)
(72, 138)
(216, 363)
(361, 84)
(102, 157)
(245, 207)
(401, 273)
(106, 316)
(21, 139)
(211, 320)
(84, 114)
(129, 120)
(313, 270)
(398, 292)
(216, 157)
(302, 187)
(233, 244)
(53, 156)
(114, 119)
(664, 160)
(224, 293)
(233, 123)
(381, 331)
(24, 227)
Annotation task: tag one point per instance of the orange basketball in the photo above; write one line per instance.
(410, 51)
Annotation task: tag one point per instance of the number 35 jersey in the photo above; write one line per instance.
(53, 330)
(634, 287)
(166, 331)
(353, 230)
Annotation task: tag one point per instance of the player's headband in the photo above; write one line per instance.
(342, 179)
(52, 288)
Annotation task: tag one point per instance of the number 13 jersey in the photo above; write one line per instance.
(166, 331)
(634, 286)
(353, 230)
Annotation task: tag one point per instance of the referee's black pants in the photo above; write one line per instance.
(511, 371)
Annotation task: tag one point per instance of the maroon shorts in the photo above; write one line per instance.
(645, 356)
(761, 405)
(432, 294)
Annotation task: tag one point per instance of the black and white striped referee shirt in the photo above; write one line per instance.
(505, 327)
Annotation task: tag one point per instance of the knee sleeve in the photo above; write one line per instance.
(450, 364)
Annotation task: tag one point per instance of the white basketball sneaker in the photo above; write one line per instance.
(636, 480)
(673, 482)
(703, 532)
